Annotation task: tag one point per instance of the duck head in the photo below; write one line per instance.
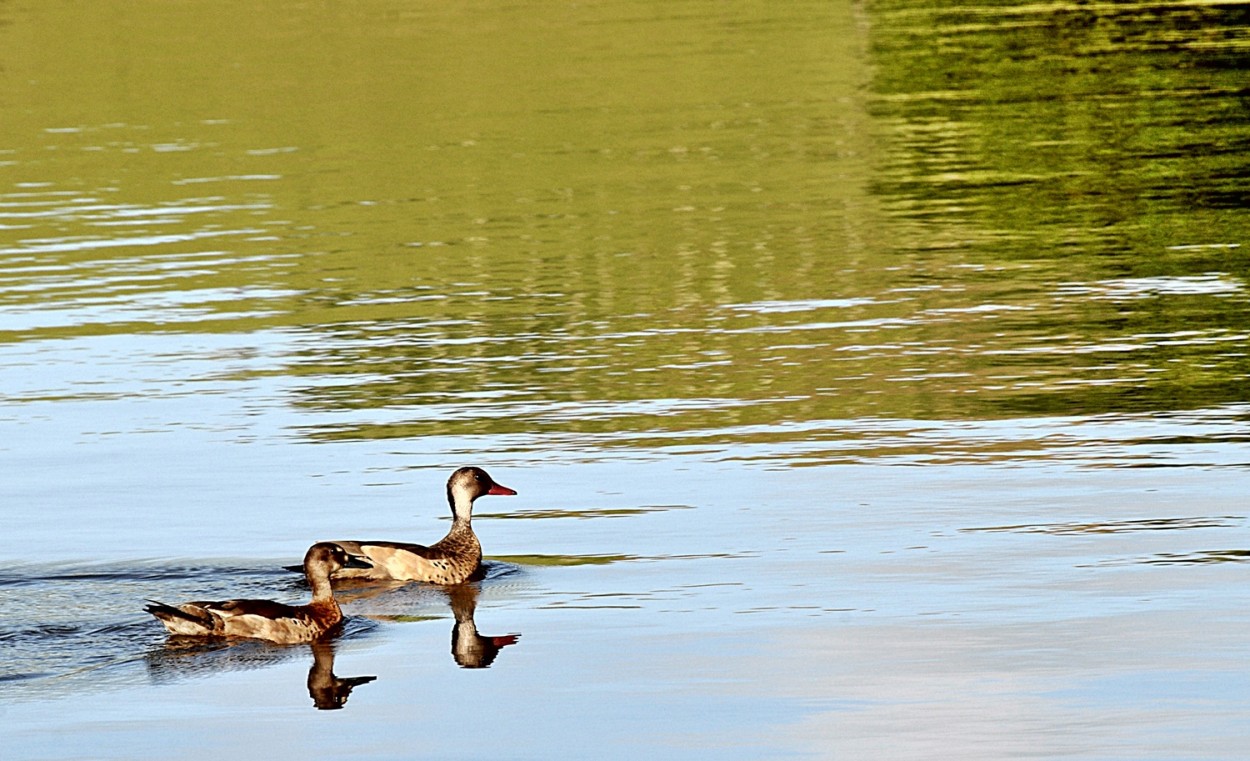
(324, 558)
(466, 485)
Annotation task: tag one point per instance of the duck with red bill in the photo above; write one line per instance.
(454, 559)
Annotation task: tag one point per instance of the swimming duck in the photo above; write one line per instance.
(265, 619)
(454, 559)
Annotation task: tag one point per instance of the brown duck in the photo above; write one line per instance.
(265, 619)
(454, 559)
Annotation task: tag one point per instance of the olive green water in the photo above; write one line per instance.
(873, 376)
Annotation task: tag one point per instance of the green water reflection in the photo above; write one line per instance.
(641, 220)
(1090, 155)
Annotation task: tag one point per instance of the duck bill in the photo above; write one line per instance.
(501, 490)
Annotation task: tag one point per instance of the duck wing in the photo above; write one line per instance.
(263, 608)
(373, 555)
(362, 549)
(275, 621)
(257, 619)
(400, 561)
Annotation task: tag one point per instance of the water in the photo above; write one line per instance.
(872, 376)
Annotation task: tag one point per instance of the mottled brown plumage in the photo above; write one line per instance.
(265, 619)
(454, 559)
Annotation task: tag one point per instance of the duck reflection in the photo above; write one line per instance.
(183, 657)
(329, 692)
(470, 649)
(395, 601)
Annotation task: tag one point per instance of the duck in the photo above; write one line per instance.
(265, 619)
(454, 559)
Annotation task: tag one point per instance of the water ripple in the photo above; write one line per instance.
(1120, 526)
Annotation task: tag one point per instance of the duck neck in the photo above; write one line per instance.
(321, 589)
(461, 511)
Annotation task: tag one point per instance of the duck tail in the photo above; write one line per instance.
(178, 620)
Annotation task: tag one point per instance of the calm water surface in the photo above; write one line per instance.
(873, 375)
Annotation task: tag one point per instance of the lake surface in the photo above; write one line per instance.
(874, 376)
